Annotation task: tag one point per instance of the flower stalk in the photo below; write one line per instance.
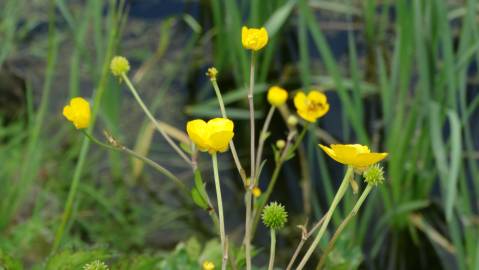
(252, 181)
(272, 249)
(343, 225)
(337, 198)
(214, 159)
(153, 120)
(234, 153)
(262, 138)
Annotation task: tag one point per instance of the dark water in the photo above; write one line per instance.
(160, 9)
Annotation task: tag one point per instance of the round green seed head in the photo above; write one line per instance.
(96, 265)
(119, 65)
(374, 175)
(274, 216)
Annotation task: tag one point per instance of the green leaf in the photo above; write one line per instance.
(200, 185)
(279, 17)
(455, 162)
(198, 199)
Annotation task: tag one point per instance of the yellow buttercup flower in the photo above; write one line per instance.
(207, 265)
(312, 106)
(119, 65)
(253, 38)
(355, 155)
(277, 96)
(78, 112)
(213, 136)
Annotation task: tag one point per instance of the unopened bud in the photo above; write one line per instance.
(292, 120)
(280, 144)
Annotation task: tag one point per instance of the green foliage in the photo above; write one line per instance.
(70, 260)
(9, 263)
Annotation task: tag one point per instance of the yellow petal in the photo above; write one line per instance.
(262, 38)
(317, 97)
(330, 152)
(244, 36)
(300, 101)
(368, 159)
(68, 113)
(198, 132)
(360, 148)
(307, 115)
(219, 141)
(220, 124)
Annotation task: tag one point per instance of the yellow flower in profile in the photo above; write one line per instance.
(277, 96)
(253, 38)
(256, 192)
(213, 136)
(355, 155)
(119, 65)
(207, 265)
(78, 112)
(312, 106)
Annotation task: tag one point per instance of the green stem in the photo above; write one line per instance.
(241, 171)
(274, 177)
(250, 185)
(146, 160)
(262, 139)
(266, 195)
(298, 140)
(343, 225)
(337, 198)
(153, 120)
(220, 210)
(67, 212)
(272, 250)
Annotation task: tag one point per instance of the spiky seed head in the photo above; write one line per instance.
(96, 265)
(274, 216)
(374, 175)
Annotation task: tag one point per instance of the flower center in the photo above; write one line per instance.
(312, 106)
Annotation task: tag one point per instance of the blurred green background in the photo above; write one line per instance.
(401, 76)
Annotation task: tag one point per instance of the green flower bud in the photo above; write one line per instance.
(274, 216)
(374, 175)
(280, 144)
(96, 265)
(292, 120)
